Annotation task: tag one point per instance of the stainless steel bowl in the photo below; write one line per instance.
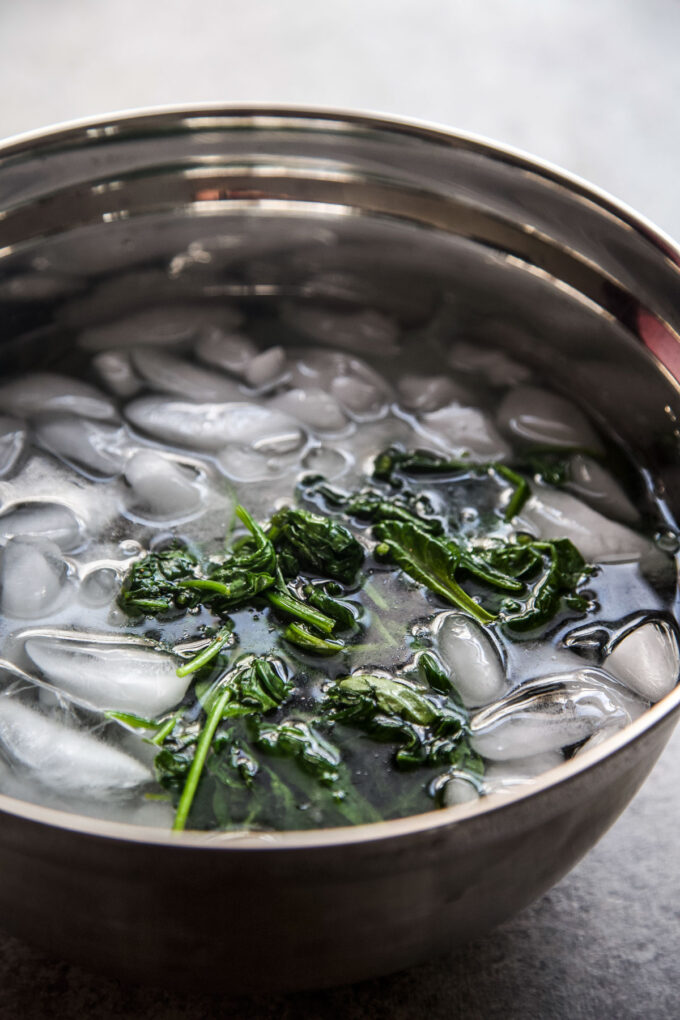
(430, 227)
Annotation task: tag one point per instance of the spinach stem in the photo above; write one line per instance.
(287, 603)
(376, 597)
(206, 655)
(166, 729)
(521, 493)
(380, 626)
(202, 748)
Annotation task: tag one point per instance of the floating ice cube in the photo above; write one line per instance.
(45, 392)
(99, 587)
(464, 430)
(63, 758)
(266, 369)
(550, 714)
(12, 443)
(430, 392)
(471, 658)
(167, 373)
(488, 363)
(505, 777)
(162, 325)
(232, 353)
(362, 392)
(312, 407)
(363, 400)
(95, 449)
(646, 659)
(160, 486)
(366, 330)
(243, 464)
(459, 791)
(325, 461)
(106, 672)
(51, 521)
(116, 372)
(546, 419)
(552, 513)
(210, 427)
(372, 437)
(32, 577)
(596, 486)
(610, 730)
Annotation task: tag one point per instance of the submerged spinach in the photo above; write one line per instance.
(237, 753)
(428, 727)
(429, 560)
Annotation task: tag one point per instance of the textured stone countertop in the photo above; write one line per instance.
(593, 87)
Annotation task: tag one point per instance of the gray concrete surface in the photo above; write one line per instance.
(591, 86)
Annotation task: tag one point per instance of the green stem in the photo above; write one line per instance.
(206, 655)
(128, 719)
(201, 584)
(521, 493)
(151, 605)
(202, 748)
(380, 626)
(297, 635)
(300, 610)
(374, 596)
(166, 729)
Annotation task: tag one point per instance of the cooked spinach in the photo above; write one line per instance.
(251, 745)
(307, 541)
(429, 560)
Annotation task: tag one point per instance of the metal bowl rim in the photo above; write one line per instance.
(44, 138)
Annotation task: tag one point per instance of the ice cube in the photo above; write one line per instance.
(106, 672)
(488, 363)
(63, 758)
(167, 373)
(51, 521)
(95, 449)
(266, 369)
(372, 437)
(12, 443)
(610, 730)
(32, 577)
(366, 330)
(210, 427)
(594, 484)
(232, 352)
(363, 400)
(116, 372)
(471, 658)
(465, 430)
(361, 391)
(325, 461)
(459, 791)
(553, 513)
(430, 392)
(99, 587)
(161, 325)
(243, 464)
(160, 486)
(549, 714)
(545, 419)
(45, 392)
(505, 777)
(646, 659)
(312, 407)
